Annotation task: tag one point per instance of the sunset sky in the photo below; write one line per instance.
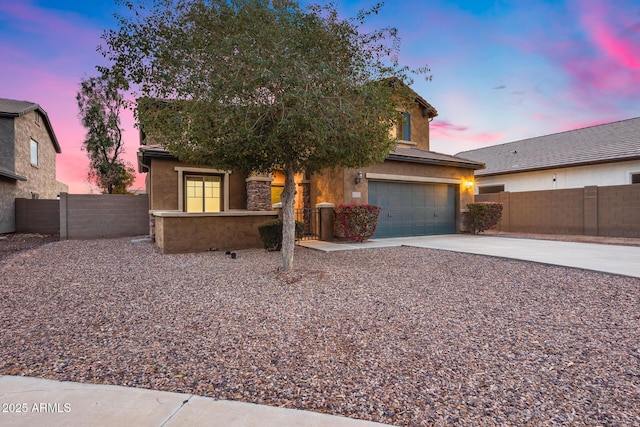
(502, 70)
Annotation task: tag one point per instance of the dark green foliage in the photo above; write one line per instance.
(271, 234)
(356, 222)
(482, 216)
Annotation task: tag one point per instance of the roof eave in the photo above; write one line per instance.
(437, 162)
(560, 166)
(47, 122)
(11, 175)
(144, 157)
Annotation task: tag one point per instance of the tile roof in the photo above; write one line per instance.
(15, 108)
(417, 155)
(401, 154)
(610, 142)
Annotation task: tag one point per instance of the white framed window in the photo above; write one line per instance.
(199, 188)
(403, 128)
(203, 193)
(33, 152)
(635, 178)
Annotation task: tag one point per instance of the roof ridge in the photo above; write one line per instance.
(550, 134)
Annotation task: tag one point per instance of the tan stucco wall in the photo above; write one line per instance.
(162, 181)
(41, 179)
(419, 128)
(199, 233)
(327, 186)
(338, 186)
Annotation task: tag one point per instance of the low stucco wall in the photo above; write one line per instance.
(178, 232)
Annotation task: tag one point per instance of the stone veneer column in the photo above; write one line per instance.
(259, 193)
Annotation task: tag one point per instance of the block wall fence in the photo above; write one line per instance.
(85, 216)
(612, 211)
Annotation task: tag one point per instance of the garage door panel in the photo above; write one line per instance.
(413, 209)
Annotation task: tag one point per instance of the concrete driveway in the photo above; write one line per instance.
(614, 259)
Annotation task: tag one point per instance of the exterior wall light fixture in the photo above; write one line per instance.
(358, 177)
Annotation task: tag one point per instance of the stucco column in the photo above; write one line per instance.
(327, 216)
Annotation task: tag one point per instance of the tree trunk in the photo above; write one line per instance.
(288, 218)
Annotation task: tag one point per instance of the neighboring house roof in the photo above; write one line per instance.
(416, 155)
(15, 108)
(610, 142)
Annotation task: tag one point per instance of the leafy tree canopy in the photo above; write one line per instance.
(257, 85)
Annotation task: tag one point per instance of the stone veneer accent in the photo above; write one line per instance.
(259, 194)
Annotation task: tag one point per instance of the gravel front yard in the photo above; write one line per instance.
(403, 336)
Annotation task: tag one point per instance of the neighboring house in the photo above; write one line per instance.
(602, 155)
(28, 148)
(421, 192)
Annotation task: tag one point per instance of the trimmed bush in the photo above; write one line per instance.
(356, 222)
(271, 234)
(482, 216)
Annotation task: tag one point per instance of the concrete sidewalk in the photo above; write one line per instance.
(614, 259)
(29, 401)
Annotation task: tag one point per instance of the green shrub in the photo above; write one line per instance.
(482, 216)
(356, 222)
(271, 233)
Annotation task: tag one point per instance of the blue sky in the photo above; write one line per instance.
(502, 70)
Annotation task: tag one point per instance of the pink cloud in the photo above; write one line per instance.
(605, 64)
(447, 137)
(606, 36)
(443, 129)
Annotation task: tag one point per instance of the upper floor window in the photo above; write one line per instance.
(635, 178)
(33, 150)
(403, 130)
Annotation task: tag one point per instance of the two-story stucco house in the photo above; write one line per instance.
(28, 148)
(421, 192)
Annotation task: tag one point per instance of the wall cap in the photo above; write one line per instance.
(179, 214)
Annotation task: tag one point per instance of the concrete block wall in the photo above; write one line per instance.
(106, 215)
(37, 216)
(619, 210)
(612, 211)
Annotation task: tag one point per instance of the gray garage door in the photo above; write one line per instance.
(413, 209)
